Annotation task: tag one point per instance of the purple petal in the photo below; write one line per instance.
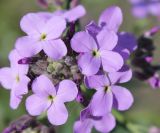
(54, 27)
(75, 13)
(14, 100)
(21, 87)
(123, 99)
(83, 126)
(107, 40)
(106, 124)
(122, 76)
(43, 86)
(32, 24)
(45, 15)
(14, 57)
(83, 42)
(111, 18)
(36, 105)
(55, 49)
(85, 113)
(101, 103)
(111, 61)
(93, 29)
(67, 91)
(126, 44)
(6, 78)
(57, 113)
(27, 46)
(88, 64)
(101, 81)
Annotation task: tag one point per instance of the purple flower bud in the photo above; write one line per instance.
(79, 98)
(152, 31)
(43, 3)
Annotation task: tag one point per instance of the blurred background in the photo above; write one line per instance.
(146, 108)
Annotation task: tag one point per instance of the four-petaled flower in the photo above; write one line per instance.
(48, 98)
(43, 35)
(97, 52)
(14, 78)
(108, 94)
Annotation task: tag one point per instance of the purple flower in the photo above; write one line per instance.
(14, 78)
(154, 81)
(94, 53)
(143, 8)
(48, 98)
(111, 19)
(42, 35)
(108, 94)
(70, 15)
(103, 124)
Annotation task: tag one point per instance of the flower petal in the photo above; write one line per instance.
(83, 42)
(123, 99)
(14, 100)
(28, 46)
(75, 13)
(54, 27)
(36, 105)
(127, 43)
(101, 81)
(57, 113)
(111, 18)
(43, 86)
(101, 103)
(111, 61)
(107, 39)
(122, 76)
(67, 91)
(32, 24)
(14, 57)
(93, 29)
(6, 78)
(83, 126)
(88, 64)
(55, 49)
(106, 124)
(21, 88)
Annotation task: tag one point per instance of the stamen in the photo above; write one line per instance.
(95, 53)
(43, 36)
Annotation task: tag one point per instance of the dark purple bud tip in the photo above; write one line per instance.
(27, 60)
(149, 59)
(153, 31)
(79, 98)
(43, 3)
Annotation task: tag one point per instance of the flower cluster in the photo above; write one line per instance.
(143, 59)
(102, 55)
(143, 8)
(53, 61)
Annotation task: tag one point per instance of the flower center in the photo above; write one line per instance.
(43, 36)
(50, 98)
(95, 53)
(17, 78)
(107, 89)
